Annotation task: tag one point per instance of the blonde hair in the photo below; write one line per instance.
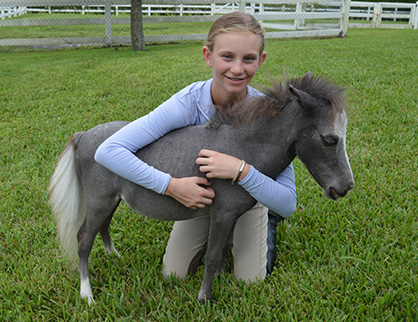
(235, 21)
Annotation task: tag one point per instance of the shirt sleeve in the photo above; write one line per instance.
(278, 195)
(117, 153)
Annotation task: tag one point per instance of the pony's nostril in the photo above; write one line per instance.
(334, 193)
(342, 194)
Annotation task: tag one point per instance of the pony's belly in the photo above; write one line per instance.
(160, 207)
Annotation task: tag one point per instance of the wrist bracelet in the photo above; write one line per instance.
(239, 172)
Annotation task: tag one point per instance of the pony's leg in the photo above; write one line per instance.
(217, 246)
(227, 248)
(104, 232)
(85, 238)
(86, 235)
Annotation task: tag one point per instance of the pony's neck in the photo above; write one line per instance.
(270, 142)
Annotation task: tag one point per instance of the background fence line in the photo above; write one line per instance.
(283, 18)
(282, 23)
(363, 10)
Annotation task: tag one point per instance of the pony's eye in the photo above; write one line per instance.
(329, 140)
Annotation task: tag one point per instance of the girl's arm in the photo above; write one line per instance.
(278, 195)
(117, 153)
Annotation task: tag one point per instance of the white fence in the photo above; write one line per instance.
(369, 11)
(9, 12)
(283, 18)
(184, 8)
(384, 15)
(147, 9)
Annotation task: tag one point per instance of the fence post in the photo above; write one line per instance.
(298, 22)
(242, 6)
(375, 15)
(261, 11)
(346, 4)
(252, 8)
(108, 23)
(415, 20)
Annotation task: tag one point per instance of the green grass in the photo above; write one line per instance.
(118, 30)
(91, 30)
(351, 260)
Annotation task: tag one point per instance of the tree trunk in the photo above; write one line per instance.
(137, 32)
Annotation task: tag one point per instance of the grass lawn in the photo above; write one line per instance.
(93, 30)
(351, 260)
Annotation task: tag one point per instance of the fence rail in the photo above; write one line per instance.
(370, 11)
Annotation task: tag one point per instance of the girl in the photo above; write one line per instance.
(234, 51)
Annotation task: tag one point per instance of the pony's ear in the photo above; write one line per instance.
(308, 75)
(307, 101)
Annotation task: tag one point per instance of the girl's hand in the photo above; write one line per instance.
(190, 193)
(219, 165)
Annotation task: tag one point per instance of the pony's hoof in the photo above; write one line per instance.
(86, 292)
(205, 300)
(89, 299)
(114, 251)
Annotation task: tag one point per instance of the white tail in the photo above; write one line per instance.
(67, 199)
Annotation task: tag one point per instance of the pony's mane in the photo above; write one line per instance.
(274, 98)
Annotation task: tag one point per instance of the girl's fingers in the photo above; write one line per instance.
(206, 153)
(203, 181)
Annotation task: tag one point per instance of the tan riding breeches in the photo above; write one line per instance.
(249, 250)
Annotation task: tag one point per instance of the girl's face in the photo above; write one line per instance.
(234, 60)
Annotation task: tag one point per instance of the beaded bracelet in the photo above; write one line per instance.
(239, 172)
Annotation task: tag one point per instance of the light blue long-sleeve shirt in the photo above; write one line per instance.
(191, 106)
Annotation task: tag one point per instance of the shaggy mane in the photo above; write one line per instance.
(276, 97)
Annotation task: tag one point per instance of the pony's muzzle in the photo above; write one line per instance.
(334, 193)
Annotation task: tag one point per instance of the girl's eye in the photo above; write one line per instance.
(227, 57)
(249, 59)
